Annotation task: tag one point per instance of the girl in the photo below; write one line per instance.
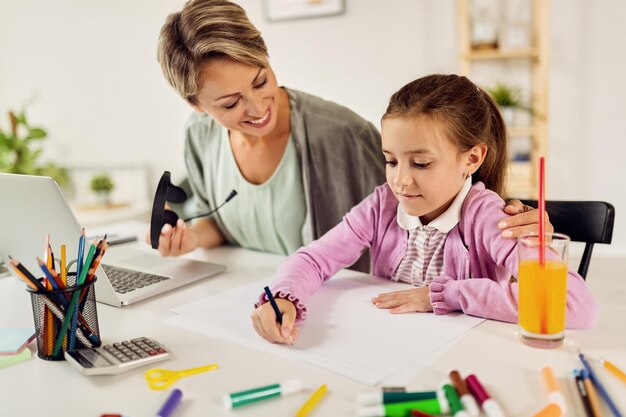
(433, 225)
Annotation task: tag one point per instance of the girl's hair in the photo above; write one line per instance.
(468, 115)
(203, 30)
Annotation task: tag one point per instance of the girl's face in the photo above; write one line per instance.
(424, 169)
(238, 96)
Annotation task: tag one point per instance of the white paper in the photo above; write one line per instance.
(344, 332)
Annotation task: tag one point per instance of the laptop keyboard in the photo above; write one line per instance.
(126, 280)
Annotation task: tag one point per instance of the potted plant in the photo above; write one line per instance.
(509, 99)
(20, 150)
(102, 185)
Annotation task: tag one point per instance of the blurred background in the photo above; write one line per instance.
(84, 74)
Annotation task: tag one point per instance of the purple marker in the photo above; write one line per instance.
(170, 404)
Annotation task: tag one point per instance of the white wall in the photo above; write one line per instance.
(100, 93)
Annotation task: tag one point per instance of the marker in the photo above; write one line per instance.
(312, 401)
(613, 369)
(443, 401)
(270, 297)
(456, 408)
(170, 404)
(554, 395)
(469, 402)
(601, 390)
(584, 395)
(377, 398)
(237, 399)
(402, 409)
(489, 405)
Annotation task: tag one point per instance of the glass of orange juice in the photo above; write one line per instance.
(542, 289)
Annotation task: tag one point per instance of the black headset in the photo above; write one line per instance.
(166, 191)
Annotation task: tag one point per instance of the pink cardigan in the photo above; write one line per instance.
(478, 261)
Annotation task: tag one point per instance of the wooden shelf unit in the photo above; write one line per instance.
(522, 181)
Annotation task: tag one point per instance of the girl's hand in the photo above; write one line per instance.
(407, 301)
(265, 324)
(177, 240)
(525, 219)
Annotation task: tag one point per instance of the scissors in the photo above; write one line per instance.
(162, 378)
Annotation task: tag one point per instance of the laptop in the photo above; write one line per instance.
(34, 206)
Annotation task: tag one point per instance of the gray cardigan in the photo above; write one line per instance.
(339, 152)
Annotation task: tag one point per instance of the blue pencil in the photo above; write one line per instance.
(279, 315)
(601, 390)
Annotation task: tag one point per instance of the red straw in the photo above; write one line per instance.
(542, 211)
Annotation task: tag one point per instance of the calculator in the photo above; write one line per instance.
(117, 358)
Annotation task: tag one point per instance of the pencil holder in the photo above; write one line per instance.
(65, 318)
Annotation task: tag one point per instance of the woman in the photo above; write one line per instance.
(281, 149)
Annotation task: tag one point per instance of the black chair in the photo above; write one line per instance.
(583, 221)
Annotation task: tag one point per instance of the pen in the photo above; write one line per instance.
(613, 369)
(601, 390)
(237, 399)
(170, 404)
(456, 408)
(468, 401)
(489, 405)
(554, 395)
(312, 401)
(582, 391)
(591, 391)
(270, 297)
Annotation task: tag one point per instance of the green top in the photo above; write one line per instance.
(260, 217)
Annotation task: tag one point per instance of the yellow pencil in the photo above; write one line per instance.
(312, 401)
(613, 369)
(593, 397)
(63, 266)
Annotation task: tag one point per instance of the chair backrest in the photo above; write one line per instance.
(583, 221)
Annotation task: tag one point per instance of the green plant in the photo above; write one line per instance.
(20, 150)
(102, 183)
(508, 96)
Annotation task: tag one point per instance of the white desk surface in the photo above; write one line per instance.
(507, 368)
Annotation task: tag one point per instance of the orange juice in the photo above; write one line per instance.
(542, 294)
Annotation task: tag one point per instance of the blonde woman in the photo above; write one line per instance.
(298, 162)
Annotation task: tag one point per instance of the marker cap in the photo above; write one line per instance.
(370, 398)
(290, 386)
(372, 411)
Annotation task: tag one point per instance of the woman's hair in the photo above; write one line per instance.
(203, 30)
(468, 115)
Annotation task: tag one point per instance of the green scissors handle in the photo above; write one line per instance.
(162, 378)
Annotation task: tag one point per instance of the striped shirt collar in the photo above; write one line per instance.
(443, 223)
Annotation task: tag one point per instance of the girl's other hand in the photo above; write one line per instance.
(265, 324)
(177, 240)
(524, 219)
(406, 301)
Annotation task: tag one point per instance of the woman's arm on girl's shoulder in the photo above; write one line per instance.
(489, 292)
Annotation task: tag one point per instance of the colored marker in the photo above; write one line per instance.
(601, 390)
(554, 395)
(443, 400)
(582, 391)
(456, 408)
(170, 404)
(312, 401)
(270, 297)
(468, 401)
(237, 399)
(400, 409)
(550, 410)
(613, 369)
(489, 405)
(377, 398)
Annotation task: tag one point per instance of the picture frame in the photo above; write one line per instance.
(280, 10)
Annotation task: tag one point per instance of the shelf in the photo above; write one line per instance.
(495, 54)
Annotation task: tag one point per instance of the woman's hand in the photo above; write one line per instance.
(265, 324)
(175, 241)
(406, 301)
(525, 219)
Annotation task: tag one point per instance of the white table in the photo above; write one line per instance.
(508, 369)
